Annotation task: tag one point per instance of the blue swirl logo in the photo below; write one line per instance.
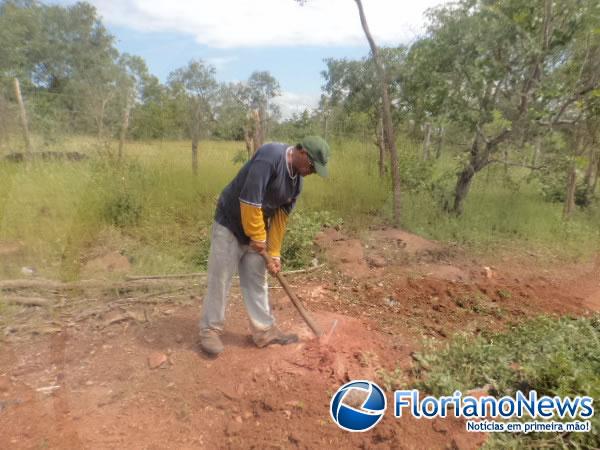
(358, 405)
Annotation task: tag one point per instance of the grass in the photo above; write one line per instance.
(152, 209)
(511, 361)
(510, 217)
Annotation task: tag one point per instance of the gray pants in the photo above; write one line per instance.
(226, 257)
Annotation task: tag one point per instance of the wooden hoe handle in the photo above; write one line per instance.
(286, 287)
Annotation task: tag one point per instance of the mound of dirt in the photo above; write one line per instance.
(381, 248)
(346, 255)
(446, 272)
(411, 244)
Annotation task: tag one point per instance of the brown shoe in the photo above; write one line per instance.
(273, 336)
(211, 342)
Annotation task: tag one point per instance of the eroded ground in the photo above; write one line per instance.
(109, 368)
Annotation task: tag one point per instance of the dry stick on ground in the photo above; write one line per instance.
(203, 274)
(143, 299)
(27, 301)
(150, 295)
(9, 285)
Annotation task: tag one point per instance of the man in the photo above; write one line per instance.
(250, 220)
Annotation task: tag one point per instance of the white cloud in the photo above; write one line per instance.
(245, 23)
(290, 103)
(221, 61)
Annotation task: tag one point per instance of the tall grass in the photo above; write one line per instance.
(151, 208)
(501, 214)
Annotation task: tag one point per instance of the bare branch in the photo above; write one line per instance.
(515, 164)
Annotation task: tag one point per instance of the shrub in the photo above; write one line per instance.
(555, 357)
(301, 231)
(123, 210)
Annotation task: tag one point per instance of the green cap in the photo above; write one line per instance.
(318, 150)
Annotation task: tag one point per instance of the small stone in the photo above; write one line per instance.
(156, 359)
(390, 301)
(28, 271)
(178, 338)
(487, 271)
(238, 419)
(287, 413)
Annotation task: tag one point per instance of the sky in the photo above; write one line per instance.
(239, 37)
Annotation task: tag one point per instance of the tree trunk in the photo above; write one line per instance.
(100, 119)
(381, 145)
(570, 193)
(196, 133)
(257, 138)
(591, 173)
(23, 116)
(440, 143)
(387, 116)
(505, 154)
(195, 154)
(596, 175)
(537, 149)
(124, 126)
(463, 184)
(478, 159)
(427, 141)
(249, 142)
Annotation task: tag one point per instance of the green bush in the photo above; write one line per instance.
(555, 357)
(123, 210)
(301, 231)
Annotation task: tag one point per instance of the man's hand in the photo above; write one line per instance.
(258, 246)
(274, 266)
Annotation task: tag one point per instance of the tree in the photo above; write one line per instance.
(21, 23)
(388, 128)
(60, 50)
(232, 111)
(494, 62)
(131, 80)
(353, 86)
(262, 88)
(195, 85)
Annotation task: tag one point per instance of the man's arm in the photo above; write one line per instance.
(254, 225)
(251, 198)
(276, 232)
